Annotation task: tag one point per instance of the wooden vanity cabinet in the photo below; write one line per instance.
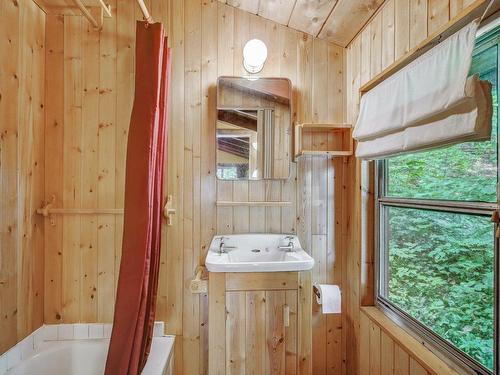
(260, 323)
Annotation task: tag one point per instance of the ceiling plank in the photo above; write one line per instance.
(309, 16)
(251, 6)
(347, 18)
(277, 10)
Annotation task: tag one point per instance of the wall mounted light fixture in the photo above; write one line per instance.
(254, 55)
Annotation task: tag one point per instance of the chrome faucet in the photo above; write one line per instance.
(222, 246)
(290, 247)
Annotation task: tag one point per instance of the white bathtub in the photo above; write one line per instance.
(88, 357)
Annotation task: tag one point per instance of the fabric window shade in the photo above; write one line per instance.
(429, 103)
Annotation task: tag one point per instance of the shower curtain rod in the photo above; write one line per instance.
(145, 11)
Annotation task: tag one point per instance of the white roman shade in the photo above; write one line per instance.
(427, 104)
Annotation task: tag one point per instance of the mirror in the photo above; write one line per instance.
(253, 130)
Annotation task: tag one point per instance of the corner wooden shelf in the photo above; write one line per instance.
(323, 139)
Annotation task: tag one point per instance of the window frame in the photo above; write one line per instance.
(443, 348)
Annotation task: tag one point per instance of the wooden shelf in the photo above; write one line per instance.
(323, 139)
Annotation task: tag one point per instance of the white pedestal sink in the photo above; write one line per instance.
(257, 253)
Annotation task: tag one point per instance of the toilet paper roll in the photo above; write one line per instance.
(329, 298)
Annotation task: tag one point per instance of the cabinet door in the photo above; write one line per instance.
(261, 332)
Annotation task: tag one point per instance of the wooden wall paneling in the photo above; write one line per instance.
(29, 236)
(351, 231)
(418, 21)
(175, 183)
(334, 253)
(89, 172)
(319, 199)
(191, 193)
(416, 368)
(364, 345)
(24, 266)
(54, 130)
(208, 164)
(304, 340)
(37, 167)
(8, 156)
(438, 14)
(71, 194)
(376, 45)
(402, 27)
(403, 346)
(22, 85)
(386, 354)
(388, 34)
(375, 354)
(366, 39)
(455, 7)
(217, 324)
(107, 169)
(401, 361)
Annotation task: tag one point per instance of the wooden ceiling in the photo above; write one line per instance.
(337, 21)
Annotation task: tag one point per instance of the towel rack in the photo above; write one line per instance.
(47, 210)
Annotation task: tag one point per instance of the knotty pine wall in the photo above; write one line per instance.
(22, 63)
(398, 26)
(89, 98)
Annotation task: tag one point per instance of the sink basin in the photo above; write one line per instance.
(257, 253)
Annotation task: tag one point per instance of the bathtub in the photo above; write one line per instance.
(88, 357)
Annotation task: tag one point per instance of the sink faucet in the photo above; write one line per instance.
(222, 246)
(290, 246)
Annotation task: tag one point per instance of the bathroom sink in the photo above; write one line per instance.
(257, 253)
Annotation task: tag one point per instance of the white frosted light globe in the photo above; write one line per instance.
(254, 55)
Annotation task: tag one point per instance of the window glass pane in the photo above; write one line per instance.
(439, 269)
(467, 171)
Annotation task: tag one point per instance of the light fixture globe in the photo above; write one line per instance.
(254, 55)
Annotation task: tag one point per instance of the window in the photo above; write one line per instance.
(436, 243)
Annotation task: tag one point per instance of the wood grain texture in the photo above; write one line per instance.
(22, 108)
(404, 347)
(336, 21)
(102, 75)
(309, 16)
(347, 18)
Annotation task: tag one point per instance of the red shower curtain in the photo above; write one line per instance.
(138, 279)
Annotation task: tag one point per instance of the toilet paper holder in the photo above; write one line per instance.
(316, 291)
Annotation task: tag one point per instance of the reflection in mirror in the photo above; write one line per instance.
(253, 128)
